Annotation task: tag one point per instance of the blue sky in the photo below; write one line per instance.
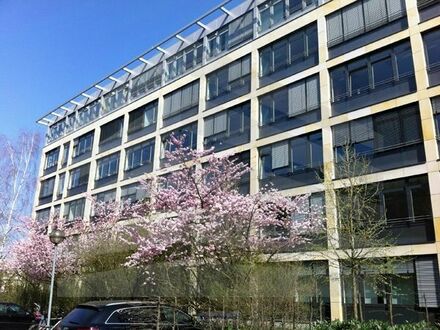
(50, 50)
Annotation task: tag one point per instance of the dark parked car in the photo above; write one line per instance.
(14, 317)
(126, 315)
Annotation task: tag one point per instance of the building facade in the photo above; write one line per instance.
(284, 85)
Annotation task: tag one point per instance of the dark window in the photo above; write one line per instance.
(79, 176)
(361, 17)
(139, 155)
(47, 187)
(147, 81)
(52, 158)
(133, 192)
(107, 166)
(43, 216)
(106, 196)
(293, 156)
(291, 101)
(111, 131)
(224, 125)
(74, 209)
(372, 72)
(436, 109)
(379, 134)
(299, 5)
(65, 159)
(61, 181)
(135, 315)
(186, 59)
(116, 98)
(142, 117)
(270, 13)
(406, 200)
(83, 144)
(88, 113)
(294, 48)
(190, 138)
(432, 50)
(228, 78)
(182, 99)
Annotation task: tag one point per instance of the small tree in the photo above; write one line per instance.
(361, 238)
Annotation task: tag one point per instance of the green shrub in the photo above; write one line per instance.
(370, 325)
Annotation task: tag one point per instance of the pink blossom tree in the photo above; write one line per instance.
(31, 255)
(198, 218)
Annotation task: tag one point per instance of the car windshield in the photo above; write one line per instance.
(81, 315)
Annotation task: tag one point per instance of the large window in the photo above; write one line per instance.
(300, 5)
(83, 144)
(293, 159)
(231, 35)
(297, 98)
(360, 17)
(46, 189)
(133, 192)
(139, 155)
(106, 196)
(88, 113)
(185, 60)
(288, 51)
(147, 81)
(116, 98)
(60, 188)
(52, 158)
(271, 13)
(143, 117)
(406, 200)
(43, 216)
(74, 209)
(65, 159)
(182, 99)
(432, 51)
(375, 72)
(107, 166)
(229, 78)
(189, 133)
(111, 131)
(229, 124)
(79, 176)
(382, 135)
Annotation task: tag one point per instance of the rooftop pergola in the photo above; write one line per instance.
(204, 25)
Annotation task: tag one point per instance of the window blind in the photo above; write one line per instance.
(334, 28)
(427, 281)
(312, 93)
(362, 130)
(387, 130)
(395, 9)
(297, 98)
(341, 135)
(375, 12)
(280, 154)
(353, 20)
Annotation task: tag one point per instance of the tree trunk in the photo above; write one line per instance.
(354, 294)
(390, 302)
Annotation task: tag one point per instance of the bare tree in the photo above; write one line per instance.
(360, 238)
(18, 170)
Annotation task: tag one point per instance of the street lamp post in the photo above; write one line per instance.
(56, 237)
